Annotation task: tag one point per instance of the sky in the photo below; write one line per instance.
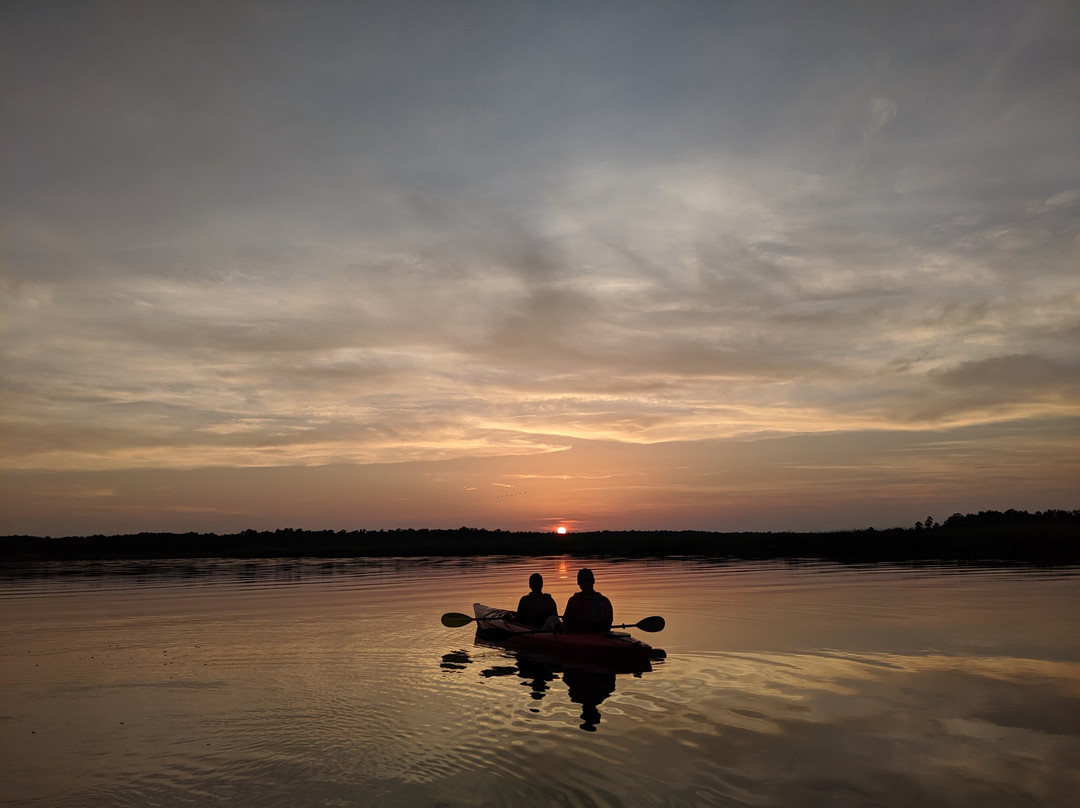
(508, 264)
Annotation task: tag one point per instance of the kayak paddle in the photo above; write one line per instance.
(650, 624)
(457, 619)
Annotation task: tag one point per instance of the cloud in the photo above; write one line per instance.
(713, 330)
(1001, 386)
(262, 236)
(1063, 199)
(1015, 373)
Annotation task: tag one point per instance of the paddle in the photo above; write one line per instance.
(457, 619)
(650, 624)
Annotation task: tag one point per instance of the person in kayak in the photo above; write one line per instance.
(537, 608)
(587, 610)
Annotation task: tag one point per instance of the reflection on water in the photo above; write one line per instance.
(333, 683)
(589, 689)
(586, 685)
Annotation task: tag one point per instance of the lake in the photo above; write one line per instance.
(333, 683)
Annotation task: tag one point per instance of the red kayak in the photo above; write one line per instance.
(609, 648)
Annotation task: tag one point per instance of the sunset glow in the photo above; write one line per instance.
(705, 265)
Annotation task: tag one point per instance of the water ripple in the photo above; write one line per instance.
(314, 683)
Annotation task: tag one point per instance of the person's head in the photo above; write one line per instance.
(585, 578)
(536, 582)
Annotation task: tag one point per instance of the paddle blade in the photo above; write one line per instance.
(456, 619)
(652, 624)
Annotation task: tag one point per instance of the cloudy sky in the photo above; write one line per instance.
(635, 264)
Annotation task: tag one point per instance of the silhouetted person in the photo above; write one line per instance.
(587, 610)
(538, 607)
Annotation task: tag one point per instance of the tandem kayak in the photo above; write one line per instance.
(614, 649)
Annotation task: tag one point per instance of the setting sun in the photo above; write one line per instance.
(560, 529)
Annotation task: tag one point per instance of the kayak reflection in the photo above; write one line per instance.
(587, 661)
(588, 683)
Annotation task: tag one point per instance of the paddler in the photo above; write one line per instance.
(587, 610)
(537, 609)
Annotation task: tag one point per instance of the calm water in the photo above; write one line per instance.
(334, 684)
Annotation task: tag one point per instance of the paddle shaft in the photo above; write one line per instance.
(457, 620)
(650, 624)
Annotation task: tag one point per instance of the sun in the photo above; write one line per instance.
(560, 530)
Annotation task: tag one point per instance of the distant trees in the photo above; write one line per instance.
(1003, 519)
(1013, 518)
(1051, 536)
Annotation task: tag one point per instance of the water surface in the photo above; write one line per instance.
(296, 683)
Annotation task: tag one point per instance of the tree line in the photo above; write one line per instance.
(1050, 537)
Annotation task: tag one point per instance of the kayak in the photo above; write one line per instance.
(608, 648)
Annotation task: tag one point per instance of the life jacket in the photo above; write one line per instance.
(534, 608)
(589, 611)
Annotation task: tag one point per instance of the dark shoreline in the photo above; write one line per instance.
(1045, 538)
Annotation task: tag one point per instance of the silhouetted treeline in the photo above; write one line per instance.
(1048, 537)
